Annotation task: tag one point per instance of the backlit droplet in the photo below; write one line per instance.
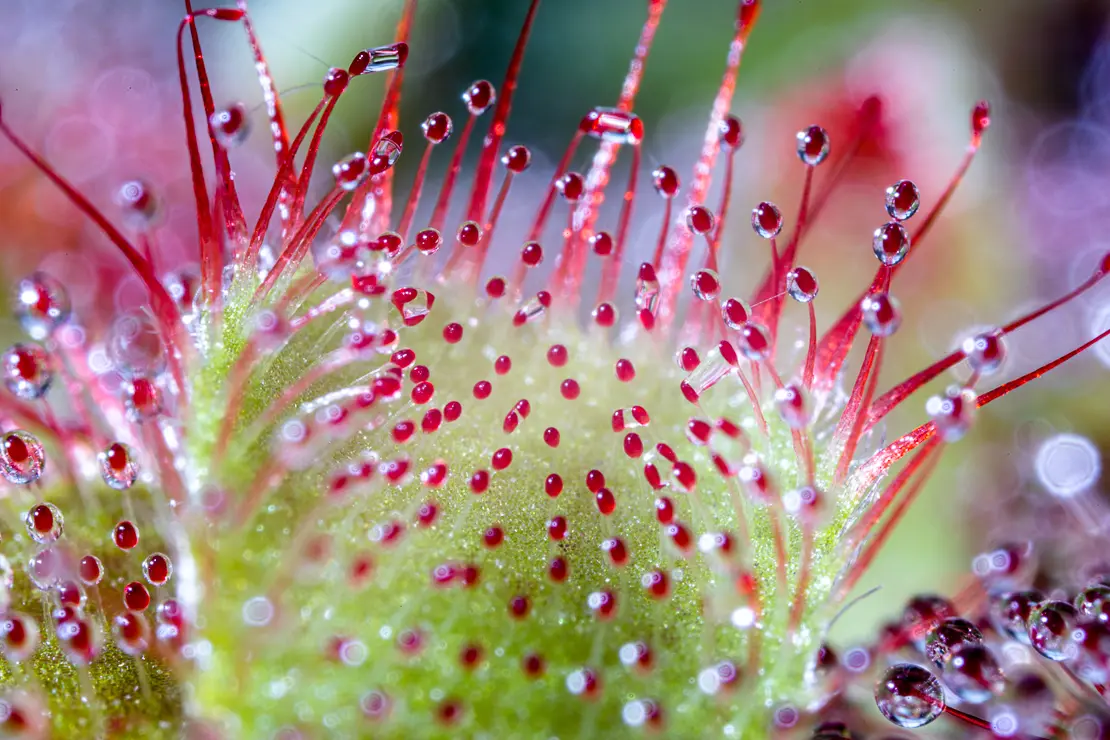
(41, 305)
(767, 220)
(985, 352)
(571, 186)
(732, 132)
(135, 346)
(350, 171)
(666, 182)
(125, 535)
(142, 399)
(1051, 630)
(137, 203)
(909, 696)
(735, 313)
(469, 234)
(44, 523)
(517, 159)
(428, 241)
(890, 243)
(972, 673)
(902, 200)
(479, 97)
(953, 413)
(943, 638)
(813, 145)
(602, 244)
(699, 219)
(801, 284)
(90, 570)
(28, 371)
(22, 457)
(157, 568)
(881, 314)
(437, 128)
(230, 126)
(706, 284)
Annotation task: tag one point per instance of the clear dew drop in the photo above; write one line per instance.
(22, 457)
(1051, 630)
(350, 171)
(902, 200)
(972, 673)
(230, 126)
(28, 371)
(802, 285)
(890, 243)
(157, 568)
(135, 346)
(909, 696)
(953, 413)
(41, 305)
(647, 288)
(946, 636)
(985, 352)
(813, 145)
(881, 314)
(706, 285)
(767, 220)
(44, 523)
(118, 467)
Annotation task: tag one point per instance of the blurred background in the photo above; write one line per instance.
(94, 85)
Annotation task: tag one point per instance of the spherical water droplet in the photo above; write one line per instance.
(429, 240)
(22, 457)
(336, 81)
(801, 284)
(137, 202)
(90, 570)
(732, 132)
(28, 371)
(705, 284)
(230, 126)
(469, 234)
(890, 243)
(881, 314)
(135, 346)
(157, 568)
(602, 244)
(753, 342)
(985, 352)
(437, 128)
(517, 159)
(1067, 464)
(972, 673)
(118, 467)
(142, 399)
(791, 404)
(699, 219)
(41, 304)
(735, 312)
(666, 181)
(571, 186)
(953, 413)
(19, 637)
(944, 638)
(767, 220)
(902, 200)
(1093, 603)
(479, 97)
(813, 145)
(1051, 628)
(44, 523)
(1010, 613)
(350, 171)
(909, 696)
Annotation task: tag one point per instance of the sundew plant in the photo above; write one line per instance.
(362, 479)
